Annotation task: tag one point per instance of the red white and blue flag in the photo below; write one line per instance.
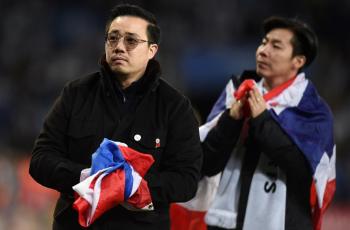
(115, 177)
(308, 121)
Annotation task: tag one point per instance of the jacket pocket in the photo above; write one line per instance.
(82, 141)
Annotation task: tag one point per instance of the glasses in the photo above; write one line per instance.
(130, 42)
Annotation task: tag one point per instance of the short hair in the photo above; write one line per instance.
(153, 30)
(304, 39)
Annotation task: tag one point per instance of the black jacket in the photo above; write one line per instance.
(90, 109)
(264, 135)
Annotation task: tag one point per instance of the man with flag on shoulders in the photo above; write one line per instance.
(272, 139)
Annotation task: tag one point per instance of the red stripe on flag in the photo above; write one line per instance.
(327, 198)
(184, 219)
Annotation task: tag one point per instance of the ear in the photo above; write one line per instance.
(152, 50)
(299, 61)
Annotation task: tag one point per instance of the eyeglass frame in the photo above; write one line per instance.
(126, 44)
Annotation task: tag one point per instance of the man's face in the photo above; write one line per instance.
(274, 56)
(123, 59)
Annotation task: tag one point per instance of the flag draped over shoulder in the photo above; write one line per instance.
(115, 177)
(308, 121)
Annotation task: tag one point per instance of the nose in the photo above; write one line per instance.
(120, 45)
(262, 50)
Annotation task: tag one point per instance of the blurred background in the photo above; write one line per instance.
(44, 44)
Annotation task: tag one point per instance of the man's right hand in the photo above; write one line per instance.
(236, 110)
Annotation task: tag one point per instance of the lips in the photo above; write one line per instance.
(117, 59)
(262, 64)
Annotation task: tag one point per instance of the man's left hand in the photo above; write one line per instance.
(256, 102)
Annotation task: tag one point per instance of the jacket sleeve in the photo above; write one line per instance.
(49, 164)
(180, 165)
(276, 144)
(219, 143)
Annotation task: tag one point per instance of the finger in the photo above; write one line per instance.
(258, 96)
(236, 105)
(255, 108)
(236, 110)
(253, 97)
(241, 102)
(252, 103)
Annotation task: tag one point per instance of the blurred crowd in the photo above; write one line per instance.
(44, 44)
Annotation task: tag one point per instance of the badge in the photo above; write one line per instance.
(157, 142)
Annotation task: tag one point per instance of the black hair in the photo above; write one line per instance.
(304, 41)
(153, 30)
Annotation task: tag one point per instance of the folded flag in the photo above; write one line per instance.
(116, 177)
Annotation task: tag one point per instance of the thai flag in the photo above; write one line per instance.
(115, 177)
(308, 121)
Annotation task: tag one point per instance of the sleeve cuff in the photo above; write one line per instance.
(254, 122)
(226, 124)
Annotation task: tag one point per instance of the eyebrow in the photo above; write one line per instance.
(273, 40)
(127, 33)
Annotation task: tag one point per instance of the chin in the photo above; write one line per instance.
(262, 73)
(118, 70)
(259, 72)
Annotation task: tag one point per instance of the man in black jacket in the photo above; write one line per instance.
(125, 101)
(273, 140)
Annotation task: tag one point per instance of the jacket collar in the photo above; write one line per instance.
(149, 81)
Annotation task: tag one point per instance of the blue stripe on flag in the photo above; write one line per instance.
(108, 155)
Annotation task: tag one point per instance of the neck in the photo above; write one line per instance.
(271, 83)
(126, 81)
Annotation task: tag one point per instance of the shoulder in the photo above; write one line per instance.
(87, 81)
(318, 115)
(82, 85)
(79, 95)
(172, 99)
(169, 93)
(312, 101)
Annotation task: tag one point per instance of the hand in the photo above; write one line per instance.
(236, 110)
(256, 102)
